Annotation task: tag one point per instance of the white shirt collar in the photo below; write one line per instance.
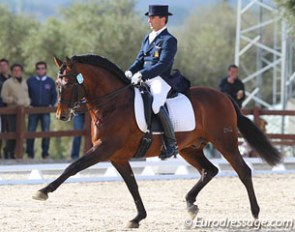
(154, 34)
(41, 78)
(159, 31)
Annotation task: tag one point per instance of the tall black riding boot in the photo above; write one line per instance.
(170, 140)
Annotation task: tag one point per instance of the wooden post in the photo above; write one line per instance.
(256, 114)
(87, 134)
(20, 132)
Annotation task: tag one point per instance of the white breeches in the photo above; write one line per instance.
(159, 89)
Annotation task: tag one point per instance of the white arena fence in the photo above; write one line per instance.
(149, 169)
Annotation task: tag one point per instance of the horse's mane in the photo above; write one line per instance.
(102, 62)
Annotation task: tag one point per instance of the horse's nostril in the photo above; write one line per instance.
(63, 118)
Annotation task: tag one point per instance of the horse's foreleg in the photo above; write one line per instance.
(196, 158)
(93, 156)
(124, 168)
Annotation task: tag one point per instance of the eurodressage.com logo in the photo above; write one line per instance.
(201, 223)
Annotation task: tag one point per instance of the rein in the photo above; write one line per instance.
(102, 100)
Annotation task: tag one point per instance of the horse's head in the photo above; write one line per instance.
(70, 86)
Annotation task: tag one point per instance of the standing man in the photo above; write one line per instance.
(233, 86)
(153, 65)
(42, 93)
(4, 75)
(14, 93)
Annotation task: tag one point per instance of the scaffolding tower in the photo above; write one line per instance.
(264, 53)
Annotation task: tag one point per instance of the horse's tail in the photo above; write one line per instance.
(257, 139)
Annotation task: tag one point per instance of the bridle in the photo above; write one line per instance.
(79, 90)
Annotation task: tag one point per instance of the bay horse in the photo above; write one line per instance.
(116, 136)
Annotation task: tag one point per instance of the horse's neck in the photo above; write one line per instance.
(104, 87)
(102, 82)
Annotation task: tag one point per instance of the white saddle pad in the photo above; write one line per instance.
(180, 111)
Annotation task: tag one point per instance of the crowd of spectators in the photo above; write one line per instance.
(39, 90)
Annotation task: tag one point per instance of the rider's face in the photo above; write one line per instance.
(156, 23)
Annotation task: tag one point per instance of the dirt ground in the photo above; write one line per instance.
(108, 206)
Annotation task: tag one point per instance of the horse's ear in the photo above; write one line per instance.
(57, 61)
(68, 62)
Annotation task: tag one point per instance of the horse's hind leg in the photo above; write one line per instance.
(233, 156)
(126, 172)
(197, 159)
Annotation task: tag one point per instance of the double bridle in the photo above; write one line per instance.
(79, 90)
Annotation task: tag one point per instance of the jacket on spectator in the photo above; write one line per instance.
(232, 89)
(15, 92)
(42, 91)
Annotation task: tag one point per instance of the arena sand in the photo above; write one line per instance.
(108, 206)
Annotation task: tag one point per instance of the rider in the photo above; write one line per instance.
(153, 65)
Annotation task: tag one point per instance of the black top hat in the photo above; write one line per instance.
(158, 10)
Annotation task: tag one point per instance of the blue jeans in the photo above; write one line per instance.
(32, 126)
(9, 150)
(78, 124)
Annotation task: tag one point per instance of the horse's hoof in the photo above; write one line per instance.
(193, 211)
(132, 225)
(39, 195)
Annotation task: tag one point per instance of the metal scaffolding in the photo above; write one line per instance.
(264, 53)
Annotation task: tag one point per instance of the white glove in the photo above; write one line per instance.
(136, 78)
(128, 74)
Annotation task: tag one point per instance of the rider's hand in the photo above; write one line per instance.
(128, 74)
(136, 78)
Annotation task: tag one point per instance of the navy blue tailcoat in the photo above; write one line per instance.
(156, 59)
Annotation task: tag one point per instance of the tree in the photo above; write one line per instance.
(288, 9)
(109, 28)
(43, 43)
(206, 44)
(14, 30)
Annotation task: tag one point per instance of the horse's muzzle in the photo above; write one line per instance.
(64, 118)
(63, 115)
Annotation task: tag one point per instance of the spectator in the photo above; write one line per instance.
(233, 86)
(14, 93)
(4, 70)
(4, 75)
(78, 124)
(42, 93)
